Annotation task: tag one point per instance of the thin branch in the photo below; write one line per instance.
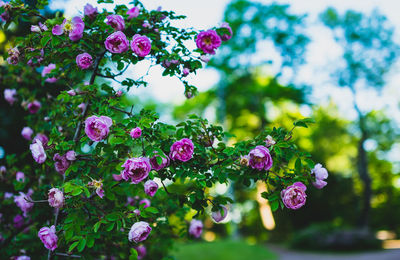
(121, 110)
(68, 255)
(165, 188)
(114, 75)
(34, 201)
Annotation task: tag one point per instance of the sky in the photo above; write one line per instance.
(321, 51)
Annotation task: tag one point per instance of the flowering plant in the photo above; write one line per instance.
(100, 180)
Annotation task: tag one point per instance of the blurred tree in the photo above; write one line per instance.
(369, 51)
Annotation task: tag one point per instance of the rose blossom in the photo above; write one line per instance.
(84, 60)
(139, 231)
(146, 202)
(56, 198)
(90, 11)
(97, 128)
(136, 132)
(18, 221)
(140, 45)
(23, 204)
(141, 250)
(196, 228)
(117, 42)
(48, 237)
(99, 187)
(320, 175)
(13, 56)
(74, 27)
(34, 106)
(116, 21)
(38, 153)
(150, 187)
(182, 150)
(42, 138)
(217, 216)
(71, 92)
(226, 36)
(269, 141)
(294, 196)
(70, 155)
(135, 169)
(27, 133)
(154, 163)
(208, 41)
(48, 69)
(260, 158)
(9, 95)
(39, 28)
(132, 13)
(20, 176)
(61, 163)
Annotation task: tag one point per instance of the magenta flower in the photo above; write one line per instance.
(20, 176)
(146, 202)
(22, 203)
(39, 28)
(208, 41)
(116, 21)
(48, 69)
(150, 187)
(70, 155)
(90, 11)
(18, 221)
(97, 128)
(139, 231)
(9, 95)
(135, 169)
(74, 27)
(136, 212)
(99, 187)
(5, 16)
(82, 107)
(84, 60)
(140, 45)
(71, 92)
(34, 106)
(269, 141)
(117, 42)
(320, 174)
(260, 158)
(38, 153)
(27, 133)
(56, 198)
(48, 237)
(294, 196)
(136, 132)
(134, 12)
(141, 250)
(226, 36)
(61, 163)
(154, 163)
(196, 228)
(185, 72)
(182, 150)
(13, 56)
(217, 216)
(43, 139)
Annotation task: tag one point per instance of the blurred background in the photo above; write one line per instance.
(334, 61)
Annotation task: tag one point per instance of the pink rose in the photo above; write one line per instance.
(182, 150)
(140, 45)
(38, 153)
(217, 216)
(269, 141)
(61, 163)
(226, 36)
(90, 11)
(22, 203)
(9, 95)
(116, 21)
(20, 176)
(196, 228)
(154, 163)
(84, 60)
(71, 155)
(139, 232)
(27, 133)
(34, 106)
(48, 69)
(42, 138)
(48, 237)
(74, 27)
(294, 196)
(135, 169)
(117, 42)
(146, 202)
(150, 187)
(208, 41)
(97, 128)
(132, 13)
(141, 250)
(56, 198)
(260, 158)
(136, 132)
(320, 174)
(39, 28)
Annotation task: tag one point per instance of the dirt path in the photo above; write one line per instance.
(286, 254)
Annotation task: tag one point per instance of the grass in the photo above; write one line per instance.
(223, 250)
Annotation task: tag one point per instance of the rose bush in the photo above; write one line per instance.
(100, 180)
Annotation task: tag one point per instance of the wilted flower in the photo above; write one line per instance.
(320, 175)
(13, 56)
(56, 198)
(294, 196)
(22, 203)
(269, 141)
(139, 231)
(48, 237)
(38, 153)
(244, 160)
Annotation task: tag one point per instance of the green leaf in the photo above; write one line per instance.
(73, 246)
(151, 210)
(82, 244)
(96, 226)
(112, 217)
(45, 40)
(134, 254)
(274, 205)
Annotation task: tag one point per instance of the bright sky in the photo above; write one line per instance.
(321, 52)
